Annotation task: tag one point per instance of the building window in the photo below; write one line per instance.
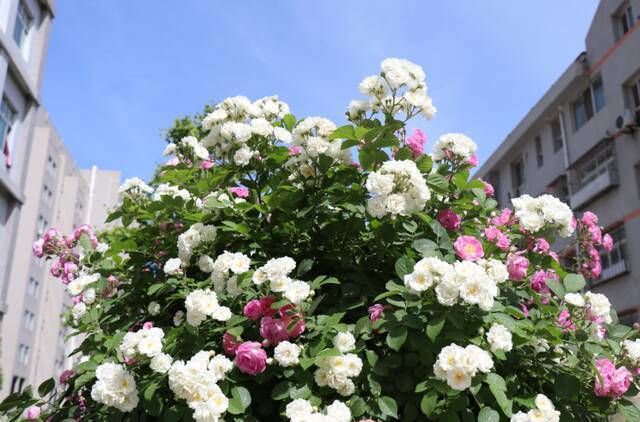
(623, 21)
(618, 252)
(32, 287)
(517, 177)
(16, 384)
(47, 195)
(41, 226)
(23, 354)
(556, 134)
(7, 117)
(51, 166)
(22, 26)
(539, 154)
(598, 94)
(583, 107)
(29, 320)
(635, 98)
(597, 165)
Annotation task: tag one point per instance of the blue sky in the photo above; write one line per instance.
(119, 72)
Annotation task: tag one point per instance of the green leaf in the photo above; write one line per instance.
(424, 164)
(556, 287)
(487, 414)
(240, 400)
(152, 401)
(429, 402)
(289, 121)
(574, 282)
(388, 406)
(437, 182)
(280, 391)
(434, 327)
(46, 387)
(397, 337)
(567, 386)
(404, 154)
(498, 388)
(630, 412)
(345, 132)
(404, 266)
(426, 247)
(357, 405)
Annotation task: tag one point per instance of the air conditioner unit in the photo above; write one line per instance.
(625, 119)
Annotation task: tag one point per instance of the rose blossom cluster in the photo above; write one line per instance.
(193, 237)
(397, 188)
(276, 271)
(203, 303)
(499, 338)
(310, 141)
(135, 188)
(399, 88)
(415, 142)
(336, 371)
(458, 365)
(544, 411)
(455, 147)
(301, 410)
(66, 250)
(474, 283)
(115, 387)
(613, 382)
(543, 212)
(189, 150)
(235, 121)
(146, 342)
(195, 381)
(589, 239)
(165, 189)
(222, 267)
(276, 325)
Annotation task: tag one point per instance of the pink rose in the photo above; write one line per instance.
(589, 218)
(147, 325)
(564, 321)
(492, 233)
(290, 314)
(38, 248)
(52, 234)
(614, 383)
(253, 310)
(468, 248)
(449, 219)
(517, 266)
(375, 311)
(504, 219)
(230, 343)
(503, 242)
(416, 141)
(206, 164)
(56, 268)
(65, 376)
(251, 358)
(295, 151)
(596, 234)
(32, 413)
(488, 188)
(265, 304)
(607, 242)
(539, 281)
(273, 330)
(172, 162)
(240, 191)
(473, 160)
(541, 245)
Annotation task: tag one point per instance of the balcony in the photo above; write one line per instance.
(597, 185)
(612, 271)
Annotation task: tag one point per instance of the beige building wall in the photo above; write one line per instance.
(57, 194)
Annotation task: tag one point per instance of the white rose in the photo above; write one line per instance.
(344, 342)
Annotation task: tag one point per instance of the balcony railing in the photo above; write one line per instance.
(614, 270)
(601, 183)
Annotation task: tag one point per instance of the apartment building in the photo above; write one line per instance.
(57, 194)
(581, 142)
(40, 187)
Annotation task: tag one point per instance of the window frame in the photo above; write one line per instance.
(539, 151)
(558, 142)
(25, 18)
(8, 118)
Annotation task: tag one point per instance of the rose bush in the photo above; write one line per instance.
(267, 274)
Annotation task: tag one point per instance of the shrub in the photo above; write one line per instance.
(266, 275)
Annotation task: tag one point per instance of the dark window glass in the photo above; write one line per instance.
(556, 134)
(539, 154)
(598, 94)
